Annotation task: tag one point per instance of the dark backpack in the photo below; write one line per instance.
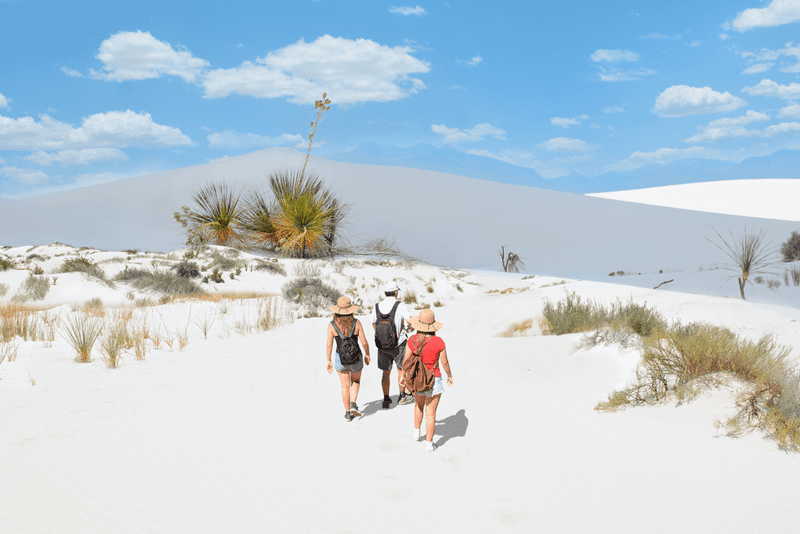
(416, 377)
(349, 351)
(385, 330)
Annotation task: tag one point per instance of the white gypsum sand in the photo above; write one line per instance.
(242, 429)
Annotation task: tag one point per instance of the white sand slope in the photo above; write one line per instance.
(243, 431)
(763, 198)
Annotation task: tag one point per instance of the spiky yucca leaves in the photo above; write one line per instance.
(749, 254)
(258, 220)
(81, 333)
(307, 215)
(219, 217)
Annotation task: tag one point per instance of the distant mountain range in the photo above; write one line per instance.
(780, 164)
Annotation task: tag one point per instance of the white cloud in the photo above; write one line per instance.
(3, 101)
(665, 155)
(118, 129)
(139, 56)
(418, 11)
(77, 157)
(767, 87)
(613, 56)
(475, 61)
(609, 110)
(617, 75)
(658, 36)
(682, 100)
(724, 36)
(521, 158)
(694, 43)
(566, 144)
(477, 133)
(784, 128)
(566, 123)
(758, 67)
(24, 176)
(349, 71)
(729, 128)
(232, 140)
(72, 73)
(792, 111)
(778, 12)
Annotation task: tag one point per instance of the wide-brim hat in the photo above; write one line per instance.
(343, 306)
(426, 322)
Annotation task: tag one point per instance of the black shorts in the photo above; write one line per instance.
(387, 357)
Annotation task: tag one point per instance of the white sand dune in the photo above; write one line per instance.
(242, 431)
(763, 198)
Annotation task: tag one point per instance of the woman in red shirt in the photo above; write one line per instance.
(433, 351)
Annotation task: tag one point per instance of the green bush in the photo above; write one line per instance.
(311, 292)
(161, 281)
(6, 263)
(572, 315)
(187, 269)
(791, 249)
(83, 265)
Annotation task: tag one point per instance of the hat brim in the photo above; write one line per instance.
(344, 311)
(419, 326)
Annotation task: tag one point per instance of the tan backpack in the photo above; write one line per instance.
(416, 377)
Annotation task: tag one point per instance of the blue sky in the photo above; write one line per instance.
(99, 91)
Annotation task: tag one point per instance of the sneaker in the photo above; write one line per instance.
(430, 446)
(386, 403)
(416, 434)
(348, 416)
(405, 398)
(354, 410)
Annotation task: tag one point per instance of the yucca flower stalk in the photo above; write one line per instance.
(81, 334)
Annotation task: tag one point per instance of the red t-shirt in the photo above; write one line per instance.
(430, 352)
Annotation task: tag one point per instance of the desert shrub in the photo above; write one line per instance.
(790, 250)
(571, 315)
(223, 262)
(410, 296)
(217, 217)
(128, 274)
(33, 288)
(81, 332)
(187, 269)
(31, 257)
(82, 265)
(3, 290)
(162, 281)
(6, 263)
(94, 307)
(518, 329)
(773, 283)
(795, 274)
(310, 291)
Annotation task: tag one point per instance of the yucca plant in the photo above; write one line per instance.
(81, 333)
(219, 217)
(749, 254)
(258, 220)
(306, 216)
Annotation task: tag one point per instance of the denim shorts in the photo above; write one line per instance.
(355, 367)
(438, 388)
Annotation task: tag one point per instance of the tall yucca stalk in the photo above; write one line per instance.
(306, 216)
(749, 254)
(219, 217)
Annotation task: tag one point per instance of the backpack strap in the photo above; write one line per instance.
(338, 332)
(383, 316)
(418, 348)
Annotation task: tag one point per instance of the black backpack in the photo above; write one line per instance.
(385, 331)
(349, 351)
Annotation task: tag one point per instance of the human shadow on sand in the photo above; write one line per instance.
(373, 407)
(454, 426)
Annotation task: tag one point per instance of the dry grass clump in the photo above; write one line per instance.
(572, 315)
(519, 329)
(6, 263)
(3, 290)
(94, 307)
(682, 360)
(161, 281)
(311, 292)
(83, 265)
(8, 350)
(271, 266)
(410, 296)
(81, 332)
(33, 288)
(116, 339)
(268, 313)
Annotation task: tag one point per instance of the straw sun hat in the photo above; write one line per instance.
(343, 306)
(426, 322)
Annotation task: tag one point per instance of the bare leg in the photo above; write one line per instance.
(344, 379)
(431, 403)
(400, 379)
(418, 406)
(385, 382)
(355, 383)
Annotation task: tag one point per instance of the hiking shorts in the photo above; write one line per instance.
(355, 368)
(386, 357)
(438, 388)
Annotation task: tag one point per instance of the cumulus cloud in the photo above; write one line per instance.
(609, 110)
(729, 128)
(665, 155)
(477, 133)
(764, 59)
(24, 176)
(784, 128)
(77, 157)
(407, 10)
(139, 56)
(682, 100)
(566, 122)
(767, 87)
(475, 60)
(117, 129)
(613, 56)
(778, 12)
(72, 73)
(792, 111)
(232, 140)
(3, 101)
(567, 145)
(349, 71)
